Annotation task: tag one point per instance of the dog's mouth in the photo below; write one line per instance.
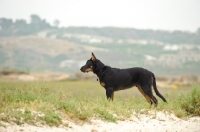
(86, 70)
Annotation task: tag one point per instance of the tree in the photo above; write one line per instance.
(6, 23)
(21, 27)
(6, 26)
(37, 24)
(56, 23)
(198, 31)
(35, 19)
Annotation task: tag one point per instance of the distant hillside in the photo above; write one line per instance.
(175, 37)
(20, 27)
(39, 46)
(45, 54)
(40, 54)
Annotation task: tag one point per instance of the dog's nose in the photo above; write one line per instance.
(81, 69)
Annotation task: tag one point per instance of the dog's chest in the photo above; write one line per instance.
(103, 82)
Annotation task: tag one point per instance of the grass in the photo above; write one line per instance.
(50, 102)
(191, 102)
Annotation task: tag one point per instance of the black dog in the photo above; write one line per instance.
(113, 79)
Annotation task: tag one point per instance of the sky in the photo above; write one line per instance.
(140, 14)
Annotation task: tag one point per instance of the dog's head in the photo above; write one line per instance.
(92, 65)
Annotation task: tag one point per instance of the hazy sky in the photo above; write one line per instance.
(140, 14)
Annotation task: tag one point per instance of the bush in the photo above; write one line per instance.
(8, 71)
(52, 119)
(191, 101)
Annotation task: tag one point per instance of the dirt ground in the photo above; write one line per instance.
(159, 122)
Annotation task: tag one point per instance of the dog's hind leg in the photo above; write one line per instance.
(154, 100)
(148, 92)
(146, 97)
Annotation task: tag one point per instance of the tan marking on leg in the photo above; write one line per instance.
(102, 84)
(112, 96)
(152, 101)
(142, 92)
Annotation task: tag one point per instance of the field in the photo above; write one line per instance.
(50, 102)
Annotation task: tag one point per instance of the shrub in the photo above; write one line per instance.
(191, 101)
(52, 119)
(8, 71)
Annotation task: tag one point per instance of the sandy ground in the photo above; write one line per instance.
(159, 122)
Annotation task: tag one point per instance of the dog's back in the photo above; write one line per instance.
(126, 78)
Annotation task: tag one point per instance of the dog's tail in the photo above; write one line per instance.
(156, 90)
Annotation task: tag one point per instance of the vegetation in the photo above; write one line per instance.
(50, 102)
(8, 71)
(191, 102)
(21, 28)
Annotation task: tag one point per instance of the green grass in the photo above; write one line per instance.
(50, 102)
(191, 102)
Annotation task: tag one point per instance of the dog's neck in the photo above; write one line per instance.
(97, 72)
(100, 73)
(99, 67)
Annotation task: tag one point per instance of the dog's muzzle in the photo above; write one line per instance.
(82, 69)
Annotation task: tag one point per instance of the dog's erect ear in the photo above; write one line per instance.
(93, 57)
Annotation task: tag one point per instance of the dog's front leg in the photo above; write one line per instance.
(110, 93)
